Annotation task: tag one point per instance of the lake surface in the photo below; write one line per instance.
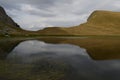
(60, 58)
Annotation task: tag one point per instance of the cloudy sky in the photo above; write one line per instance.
(38, 14)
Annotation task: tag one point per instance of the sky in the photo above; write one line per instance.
(38, 14)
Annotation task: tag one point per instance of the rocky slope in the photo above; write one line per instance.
(7, 25)
(4, 18)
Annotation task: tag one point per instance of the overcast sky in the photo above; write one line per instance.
(37, 14)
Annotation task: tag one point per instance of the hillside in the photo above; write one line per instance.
(98, 23)
(7, 25)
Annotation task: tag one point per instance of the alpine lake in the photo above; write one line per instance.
(60, 58)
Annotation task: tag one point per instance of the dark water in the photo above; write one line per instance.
(60, 59)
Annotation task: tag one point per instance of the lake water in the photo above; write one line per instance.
(60, 59)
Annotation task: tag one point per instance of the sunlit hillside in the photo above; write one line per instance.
(98, 23)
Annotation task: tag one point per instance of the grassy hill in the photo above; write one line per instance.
(98, 23)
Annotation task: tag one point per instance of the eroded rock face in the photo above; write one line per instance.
(4, 18)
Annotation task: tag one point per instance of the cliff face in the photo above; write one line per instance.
(4, 18)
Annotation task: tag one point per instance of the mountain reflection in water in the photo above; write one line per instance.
(38, 60)
(76, 60)
(31, 51)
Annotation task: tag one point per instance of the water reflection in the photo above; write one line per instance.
(7, 45)
(60, 59)
(72, 60)
(30, 51)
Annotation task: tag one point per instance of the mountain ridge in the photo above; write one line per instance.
(8, 26)
(100, 22)
(4, 18)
